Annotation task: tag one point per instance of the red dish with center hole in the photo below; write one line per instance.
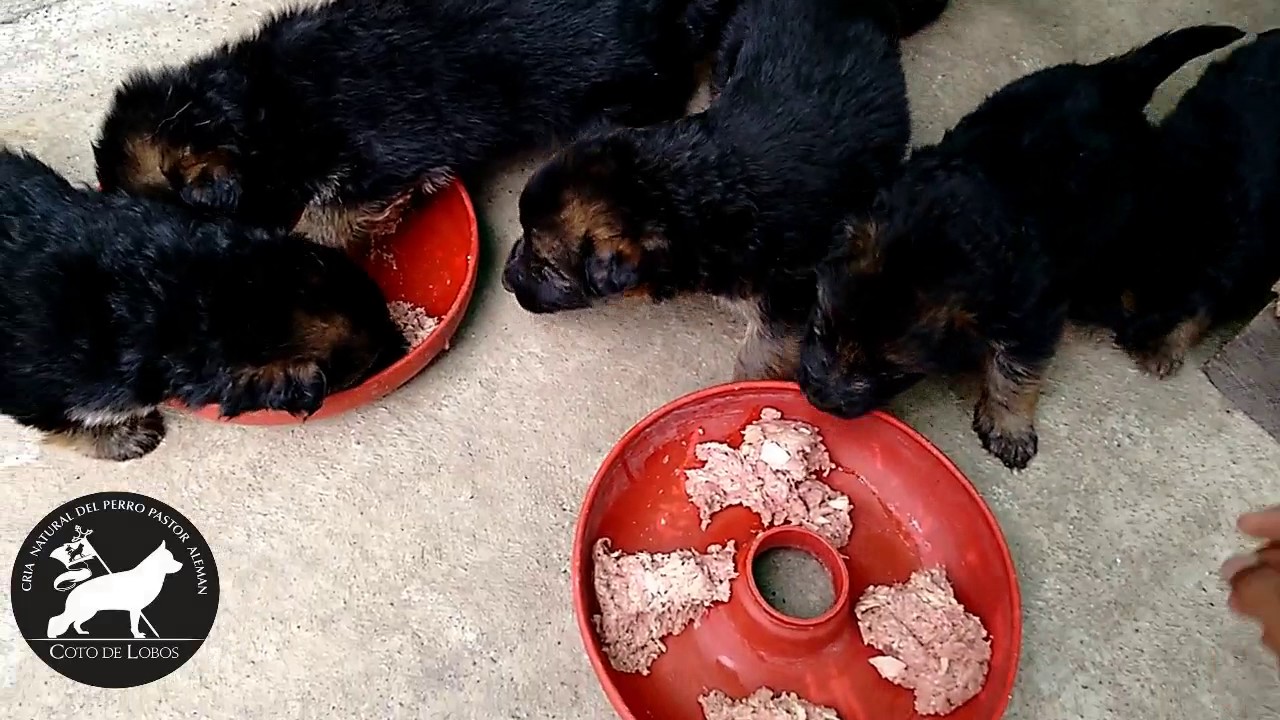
(912, 509)
(432, 262)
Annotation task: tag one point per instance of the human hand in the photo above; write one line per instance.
(1255, 577)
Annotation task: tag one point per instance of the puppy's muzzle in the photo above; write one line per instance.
(539, 286)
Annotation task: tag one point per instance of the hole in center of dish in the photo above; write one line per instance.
(794, 582)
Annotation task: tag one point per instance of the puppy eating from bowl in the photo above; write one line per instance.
(334, 118)
(112, 305)
(809, 116)
(972, 259)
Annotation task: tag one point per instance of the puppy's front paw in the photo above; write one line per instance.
(297, 388)
(1014, 448)
(1162, 361)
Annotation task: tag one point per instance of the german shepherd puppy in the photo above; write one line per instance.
(809, 116)
(111, 305)
(130, 590)
(1207, 246)
(333, 117)
(973, 257)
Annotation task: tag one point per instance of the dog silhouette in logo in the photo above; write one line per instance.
(130, 590)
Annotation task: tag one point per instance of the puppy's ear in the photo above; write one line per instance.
(613, 269)
(210, 181)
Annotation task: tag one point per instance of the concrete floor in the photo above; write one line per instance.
(410, 559)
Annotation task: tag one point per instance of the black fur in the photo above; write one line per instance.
(975, 255)
(810, 115)
(1207, 245)
(355, 102)
(111, 305)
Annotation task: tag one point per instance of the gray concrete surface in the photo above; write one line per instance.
(410, 560)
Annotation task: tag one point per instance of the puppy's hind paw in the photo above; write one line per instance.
(118, 442)
(1165, 354)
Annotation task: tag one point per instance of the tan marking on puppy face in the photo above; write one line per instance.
(580, 221)
(147, 161)
(151, 162)
(588, 218)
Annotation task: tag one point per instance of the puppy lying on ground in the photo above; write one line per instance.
(111, 305)
(1207, 244)
(973, 257)
(333, 117)
(810, 115)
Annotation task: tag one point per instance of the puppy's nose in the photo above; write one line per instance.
(511, 270)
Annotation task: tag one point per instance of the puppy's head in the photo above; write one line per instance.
(885, 317)
(589, 229)
(176, 135)
(308, 306)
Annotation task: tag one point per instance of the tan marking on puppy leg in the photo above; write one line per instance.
(353, 227)
(331, 225)
(1169, 354)
(767, 353)
(1004, 417)
(120, 441)
(276, 373)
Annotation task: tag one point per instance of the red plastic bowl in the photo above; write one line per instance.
(912, 509)
(433, 262)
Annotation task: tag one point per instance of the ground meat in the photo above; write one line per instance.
(762, 704)
(645, 597)
(413, 321)
(932, 645)
(776, 473)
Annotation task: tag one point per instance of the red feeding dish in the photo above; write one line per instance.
(912, 509)
(432, 262)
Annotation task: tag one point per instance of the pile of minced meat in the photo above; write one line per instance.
(930, 643)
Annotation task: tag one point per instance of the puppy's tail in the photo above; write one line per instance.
(903, 18)
(1143, 69)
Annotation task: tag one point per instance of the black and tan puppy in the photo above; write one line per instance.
(1207, 245)
(974, 256)
(810, 115)
(333, 117)
(111, 305)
